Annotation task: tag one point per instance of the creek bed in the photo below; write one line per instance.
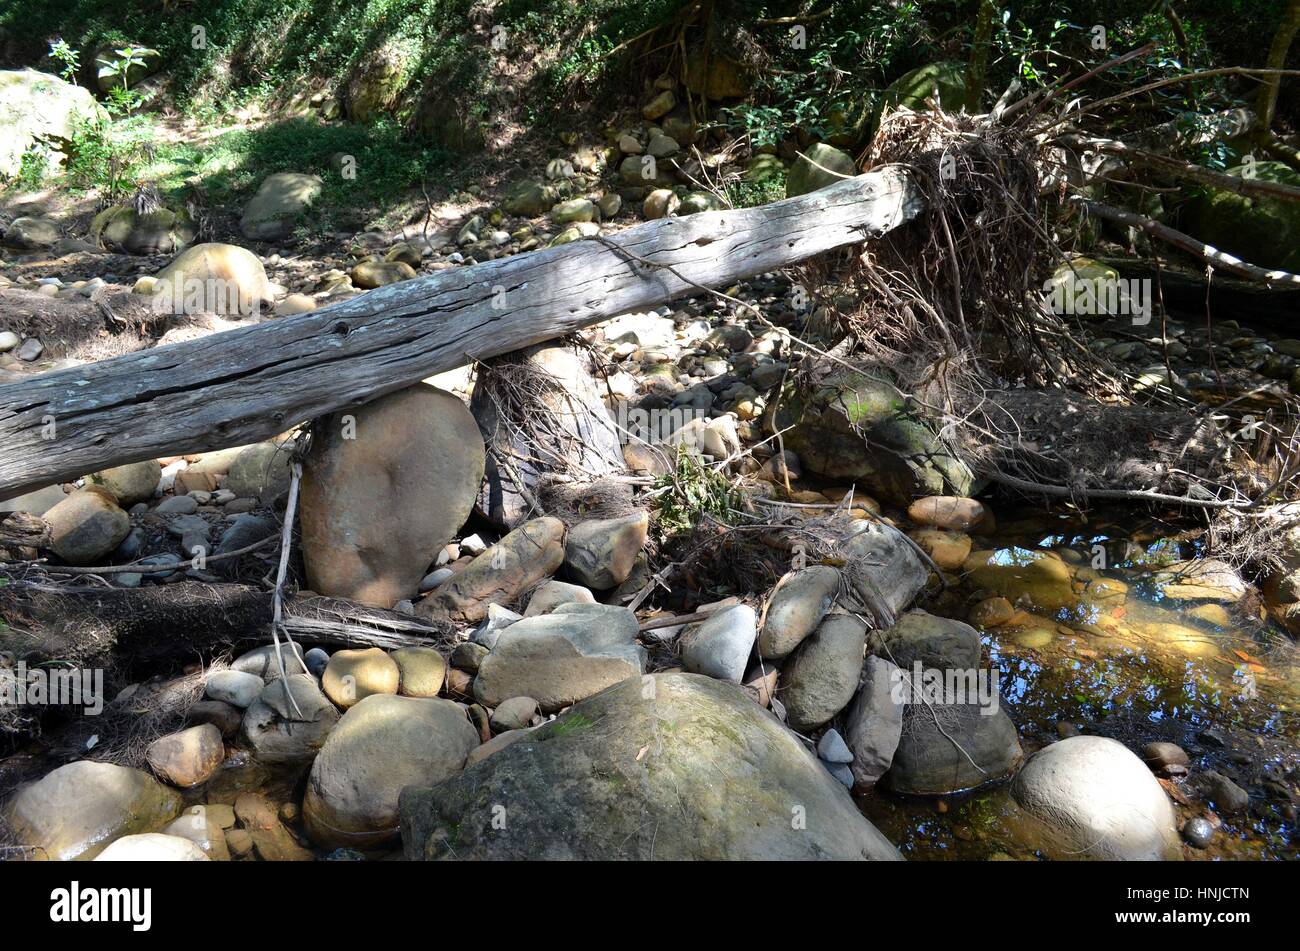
(1156, 658)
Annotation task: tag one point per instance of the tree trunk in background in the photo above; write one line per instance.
(979, 53)
(1266, 104)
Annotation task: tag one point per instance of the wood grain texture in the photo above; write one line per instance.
(244, 385)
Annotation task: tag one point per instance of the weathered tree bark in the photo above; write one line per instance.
(1185, 242)
(248, 384)
(1266, 103)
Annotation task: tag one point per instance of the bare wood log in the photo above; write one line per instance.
(1206, 252)
(248, 384)
(1187, 170)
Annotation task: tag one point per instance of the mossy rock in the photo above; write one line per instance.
(765, 169)
(606, 780)
(376, 83)
(1263, 231)
(163, 231)
(914, 88)
(818, 166)
(529, 198)
(856, 427)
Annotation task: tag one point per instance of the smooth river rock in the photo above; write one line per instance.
(385, 487)
(674, 766)
(1094, 799)
(380, 746)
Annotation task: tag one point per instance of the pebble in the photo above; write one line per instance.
(435, 578)
(832, 748)
(177, 505)
(1165, 759)
(1199, 832)
(316, 659)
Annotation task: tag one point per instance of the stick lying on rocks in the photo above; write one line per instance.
(248, 384)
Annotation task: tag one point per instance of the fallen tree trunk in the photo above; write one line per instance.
(249, 384)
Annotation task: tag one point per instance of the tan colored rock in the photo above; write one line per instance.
(947, 511)
(213, 278)
(372, 274)
(992, 612)
(948, 550)
(86, 526)
(796, 609)
(273, 842)
(295, 304)
(381, 746)
(385, 487)
(601, 553)
(352, 675)
(521, 559)
(187, 758)
(199, 826)
(422, 670)
(131, 483)
(1039, 579)
(76, 810)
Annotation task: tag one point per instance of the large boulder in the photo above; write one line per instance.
(577, 435)
(1263, 231)
(86, 526)
(913, 89)
(212, 278)
(948, 747)
(281, 200)
(818, 166)
(376, 81)
(385, 488)
(108, 62)
(380, 746)
(501, 574)
(75, 811)
(1089, 797)
(857, 428)
(32, 234)
(819, 679)
(38, 109)
(675, 766)
(575, 651)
